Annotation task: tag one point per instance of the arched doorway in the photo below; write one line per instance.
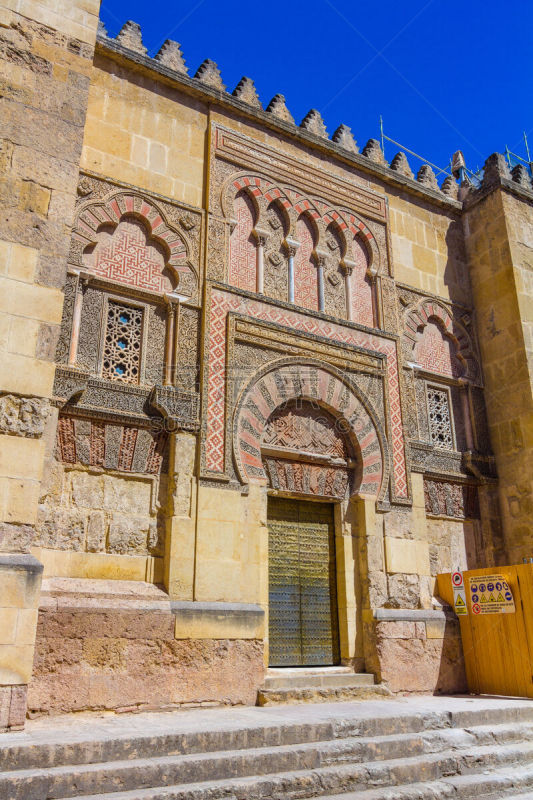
(309, 463)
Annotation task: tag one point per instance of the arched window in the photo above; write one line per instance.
(305, 272)
(243, 251)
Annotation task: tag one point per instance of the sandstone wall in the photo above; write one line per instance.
(46, 55)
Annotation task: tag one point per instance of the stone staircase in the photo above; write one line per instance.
(394, 750)
(319, 685)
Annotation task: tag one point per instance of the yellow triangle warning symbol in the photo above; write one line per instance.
(492, 599)
(501, 598)
(459, 601)
(483, 599)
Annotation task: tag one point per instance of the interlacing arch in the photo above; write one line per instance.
(429, 311)
(265, 191)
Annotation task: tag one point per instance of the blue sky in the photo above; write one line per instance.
(444, 74)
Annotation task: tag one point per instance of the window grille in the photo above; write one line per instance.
(440, 423)
(122, 345)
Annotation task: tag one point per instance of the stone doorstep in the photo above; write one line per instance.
(316, 781)
(327, 677)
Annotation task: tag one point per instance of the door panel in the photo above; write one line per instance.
(303, 624)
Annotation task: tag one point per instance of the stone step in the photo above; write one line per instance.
(131, 737)
(317, 679)
(321, 694)
(288, 772)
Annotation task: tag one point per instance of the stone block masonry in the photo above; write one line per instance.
(46, 52)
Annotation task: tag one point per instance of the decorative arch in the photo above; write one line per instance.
(263, 188)
(326, 387)
(305, 271)
(107, 214)
(431, 312)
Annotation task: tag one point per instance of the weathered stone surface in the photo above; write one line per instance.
(313, 123)
(60, 529)
(118, 657)
(372, 150)
(246, 91)
(344, 137)
(404, 591)
(16, 538)
(400, 164)
(277, 108)
(426, 176)
(128, 535)
(130, 36)
(96, 532)
(23, 416)
(209, 73)
(170, 56)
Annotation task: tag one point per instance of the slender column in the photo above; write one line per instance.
(292, 247)
(169, 344)
(465, 398)
(262, 237)
(81, 283)
(348, 267)
(320, 264)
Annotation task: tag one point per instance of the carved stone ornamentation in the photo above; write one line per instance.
(23, 416)
(181, 408)
(456, 500)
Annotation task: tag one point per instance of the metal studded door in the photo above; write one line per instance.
(303, 622)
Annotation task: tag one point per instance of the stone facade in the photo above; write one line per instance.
(205, 305)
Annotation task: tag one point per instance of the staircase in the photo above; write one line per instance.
(319, 685)
(381, 750)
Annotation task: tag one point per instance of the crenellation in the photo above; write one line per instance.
(372, 150)
(520, 174)
(278, 108)
(426, 176)
(246, 91)
(170, 55)
(209, 73)
(344, 137)
(313, 123)
(400, 164)
(130, 37)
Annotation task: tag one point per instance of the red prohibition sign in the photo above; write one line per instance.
(476, 608)
(457, 579)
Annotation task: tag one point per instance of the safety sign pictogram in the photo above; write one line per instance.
(491, 595)
(459, 594)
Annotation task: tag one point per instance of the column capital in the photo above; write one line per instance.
(292, 246)
(321, 257)
(261, 235)
(347, 266)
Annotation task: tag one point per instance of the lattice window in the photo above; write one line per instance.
(440, 421)
(122, 345)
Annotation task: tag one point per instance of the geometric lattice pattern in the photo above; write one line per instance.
(440, 424)
(222, 303)
(305, 272)
(436, 352)
(127, 256)
(243, 253)
(122, 346)
(362, 310)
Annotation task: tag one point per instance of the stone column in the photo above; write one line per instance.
(170, 344)
(320, 264)
(262, 237)
(465, 399)
(81, 284)
(292, 247)
(348, 267)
